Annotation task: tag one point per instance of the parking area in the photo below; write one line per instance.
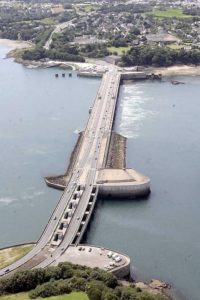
(94, 257)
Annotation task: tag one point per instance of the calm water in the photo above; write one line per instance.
(39, 115)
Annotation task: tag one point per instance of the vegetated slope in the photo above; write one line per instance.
(67, 278)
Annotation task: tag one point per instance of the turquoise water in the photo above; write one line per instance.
(39, 118)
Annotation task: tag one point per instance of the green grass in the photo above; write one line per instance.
(119, 50)
(24, 296)
(169, 13)
(85, 8)
(47, 21)
(175, 46)
(10, 255)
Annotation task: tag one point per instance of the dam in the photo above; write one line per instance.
(92, 173)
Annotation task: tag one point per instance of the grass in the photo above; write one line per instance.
(118, 50)
(85, 8)
(47, 21)
(175, 46)
(24, 296)
(10, 255)
(169, 13)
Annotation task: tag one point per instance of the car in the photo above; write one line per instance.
(118, 258)
(55, 218)
(7, 270)
(110, 253)
(78, 218)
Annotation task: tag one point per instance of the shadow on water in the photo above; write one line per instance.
(103, 201)
(105, 204)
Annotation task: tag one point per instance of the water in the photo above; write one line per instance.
(161, 234)
(39, 115)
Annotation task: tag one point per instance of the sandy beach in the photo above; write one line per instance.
(176, 70)
(14, 44)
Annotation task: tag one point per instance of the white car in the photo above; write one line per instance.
(110, 254)
(114, 255)
(118, 258)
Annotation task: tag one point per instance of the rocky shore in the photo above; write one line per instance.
(117, 152)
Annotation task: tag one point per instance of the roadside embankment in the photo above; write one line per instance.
(9, 255)
(117, 152)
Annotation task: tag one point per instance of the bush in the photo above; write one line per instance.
(78, 284)
(94, 293)
(64, 287)
(109, 279)
(51, 288)
(110, 296)
(45, 290)
(66, 270)
(65, 278)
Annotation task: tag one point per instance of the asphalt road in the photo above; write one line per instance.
(58, 29)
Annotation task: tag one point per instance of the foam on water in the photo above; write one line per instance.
(132, 113)
(4, 201)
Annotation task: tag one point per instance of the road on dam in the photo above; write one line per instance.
(71, 215)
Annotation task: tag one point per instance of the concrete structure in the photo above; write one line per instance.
(97, 257)
(86, 179)
(123, 183)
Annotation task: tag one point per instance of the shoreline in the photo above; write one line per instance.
(92, 65)
(14, 44)
(176, 70)
(152, 286)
